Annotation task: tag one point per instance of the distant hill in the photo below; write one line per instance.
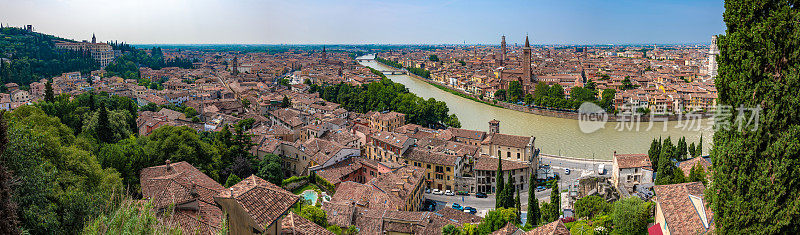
(30, 56)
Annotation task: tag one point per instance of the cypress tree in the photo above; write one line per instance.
(500, 182)
(555, 199)
(508, 197)
(755, 168)
(103, 130)
(519, 208)
(654, 152)
(533, 203)
(49, 96)
(699, 149)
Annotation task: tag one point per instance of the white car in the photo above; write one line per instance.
(437, 192)
(567, 171)
(449, 193)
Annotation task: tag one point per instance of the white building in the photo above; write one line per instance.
(631, 170)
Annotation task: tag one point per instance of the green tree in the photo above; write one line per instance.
(286, 102)
(103, 131)
(49, 96)
(540, 91)
(699, 149)
(232, 180)
(500, 183)
(681, 149)
(590, 206)
(556, 91)
(630, 216)
(334, 229)
(450, 230)
(270, 169)
(500, 95)
(698, 174)
(64, 185)
(433, 58)
(518, 206)
(549, 212)
(555, 198)
(692, 150)
(9, 224)
(515, 92)
(496, 219)
(533, 203)
(314, 214)
(654, 153)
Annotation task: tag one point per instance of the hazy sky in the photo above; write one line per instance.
(368, 22)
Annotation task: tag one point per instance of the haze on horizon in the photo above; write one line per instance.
(371, 22)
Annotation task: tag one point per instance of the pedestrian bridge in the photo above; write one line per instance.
(392, 72)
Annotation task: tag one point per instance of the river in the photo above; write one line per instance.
(555, 136)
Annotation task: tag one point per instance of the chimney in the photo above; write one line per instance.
(615, 152)
(169, 166)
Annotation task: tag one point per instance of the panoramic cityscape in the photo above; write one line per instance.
(399, 117)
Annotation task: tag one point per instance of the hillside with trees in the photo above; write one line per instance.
(29, 56)
(386, 95)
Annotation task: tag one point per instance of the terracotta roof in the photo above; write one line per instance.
(682, 206)
(632, 160)
(294, 224)
(508, 140)
(262, 200)
(341, 214)
(459, 216)
(686, 166)
(469, 134)
(553, 228)
(425, 155)
(181, 184)
(509, 229)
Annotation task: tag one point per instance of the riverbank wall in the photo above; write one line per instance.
(551, 112)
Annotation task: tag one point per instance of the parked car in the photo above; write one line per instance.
(449, 193)
(566, 171)
(470, 210)
(601, 169)
(437, 191)
(427, 190)
(457, 206)
(481, 195)
(540, 188)
(462, 193)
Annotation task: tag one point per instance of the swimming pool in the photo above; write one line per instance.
(310, 195)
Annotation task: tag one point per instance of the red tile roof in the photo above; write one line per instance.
(189, 190)
(680, 212)
(263, 201)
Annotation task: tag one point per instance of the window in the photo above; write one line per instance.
(429, 166)
(517, 156)
(499, 154)
(448, 168)
(508, 154)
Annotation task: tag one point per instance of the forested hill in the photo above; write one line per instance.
(30, 56)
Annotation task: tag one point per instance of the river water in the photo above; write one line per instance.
(555, 136)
